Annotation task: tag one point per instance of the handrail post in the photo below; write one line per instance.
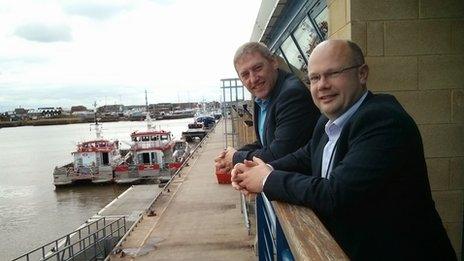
(283, 249)
(272, 243)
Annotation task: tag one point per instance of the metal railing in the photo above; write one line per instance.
(245, 212)
(272, 244)
(93, 241)
(291, 232)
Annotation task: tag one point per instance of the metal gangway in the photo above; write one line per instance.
(93, 241)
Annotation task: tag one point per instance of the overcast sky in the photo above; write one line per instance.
(74, 52)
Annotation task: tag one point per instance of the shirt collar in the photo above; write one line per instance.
(333, 128)
(262, 102)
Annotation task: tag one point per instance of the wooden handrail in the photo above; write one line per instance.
(306, 235)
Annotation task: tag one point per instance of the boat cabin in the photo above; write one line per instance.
(151, 140)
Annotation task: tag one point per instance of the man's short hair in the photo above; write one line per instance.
(356, 53)
(253, 47)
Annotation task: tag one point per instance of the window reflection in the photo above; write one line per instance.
(282, 63)
(293, 54)
(279, 53)
(306, 37)
(321, 21)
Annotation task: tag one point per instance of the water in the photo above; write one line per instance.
(32, 211)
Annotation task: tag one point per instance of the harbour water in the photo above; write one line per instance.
(32, 211)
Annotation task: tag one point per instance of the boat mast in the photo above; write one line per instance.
(148, 118)
(97, 126)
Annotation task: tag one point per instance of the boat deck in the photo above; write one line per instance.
(197, 219)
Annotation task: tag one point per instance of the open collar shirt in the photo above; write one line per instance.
(333, 130)
(263, 104)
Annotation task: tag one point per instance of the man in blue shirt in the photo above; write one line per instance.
(284, 114)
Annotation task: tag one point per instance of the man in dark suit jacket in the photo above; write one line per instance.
(284, 114)
(363, 172)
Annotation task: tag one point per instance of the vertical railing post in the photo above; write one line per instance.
(265, 240)
(94, 246)
(272, 244)
(283, 249)
(56, 250)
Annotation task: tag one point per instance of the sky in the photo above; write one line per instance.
(75, 52)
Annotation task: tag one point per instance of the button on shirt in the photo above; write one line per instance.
(333, 130)
(262, 116)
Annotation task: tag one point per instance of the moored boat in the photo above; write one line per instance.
(94, 161)
(153, 154)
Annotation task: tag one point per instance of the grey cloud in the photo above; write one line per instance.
(44, 33)
(99, 11)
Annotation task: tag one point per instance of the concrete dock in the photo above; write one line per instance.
(196, 219)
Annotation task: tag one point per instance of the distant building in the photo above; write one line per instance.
(50, 112)
(78, 108)
(111, 109)
(85, 115)
(4, 117)
(20, 114)
(34, 114)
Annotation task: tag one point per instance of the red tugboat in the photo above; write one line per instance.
(153, 154)
(94, 161)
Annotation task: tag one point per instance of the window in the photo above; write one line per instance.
(293, 54)
(153, 158)
(307, 38)
(321, 21)
(308, 26)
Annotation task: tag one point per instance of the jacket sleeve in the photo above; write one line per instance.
(378, 148)
(243, 153)
(299, 161)
(295, 118)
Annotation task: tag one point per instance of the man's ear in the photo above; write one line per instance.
(363, 74)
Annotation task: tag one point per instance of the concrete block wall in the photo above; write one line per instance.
(415, 49)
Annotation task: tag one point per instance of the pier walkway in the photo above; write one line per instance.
(196, 219)
(132, 203)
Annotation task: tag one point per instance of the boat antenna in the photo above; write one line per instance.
(148, 118)
(97, 126)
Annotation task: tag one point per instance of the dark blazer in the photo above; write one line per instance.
(377, 202)
(290, 120)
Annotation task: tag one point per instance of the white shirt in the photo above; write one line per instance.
(333, 130)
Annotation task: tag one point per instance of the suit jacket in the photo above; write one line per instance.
(290, 120)
(377, 202)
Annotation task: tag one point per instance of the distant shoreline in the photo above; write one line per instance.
(56, 121)
(74, 120)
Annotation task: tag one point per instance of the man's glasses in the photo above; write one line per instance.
(315, 78)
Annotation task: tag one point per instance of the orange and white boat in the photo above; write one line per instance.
(153, 153)
(94, 161)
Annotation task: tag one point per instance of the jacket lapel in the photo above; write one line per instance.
(317, 149)
(341, 145)
(255, 121)
(317, 162)
(280, 78)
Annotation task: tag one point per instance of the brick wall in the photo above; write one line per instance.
(415, 50)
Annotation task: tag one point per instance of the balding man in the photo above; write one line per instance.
(363, 173)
